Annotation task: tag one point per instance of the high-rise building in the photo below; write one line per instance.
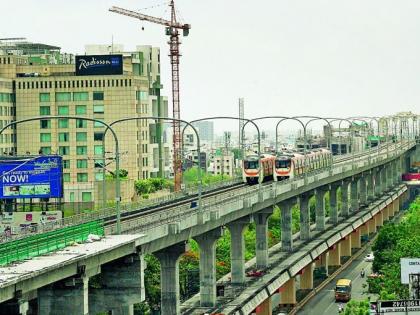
(30, 87)
(205, 130)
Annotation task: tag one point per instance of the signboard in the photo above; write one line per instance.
(401, 307)
(409, 266)
(31, 177)
(99, 64)
(16, 221)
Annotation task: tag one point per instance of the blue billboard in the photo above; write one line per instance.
(31, 177)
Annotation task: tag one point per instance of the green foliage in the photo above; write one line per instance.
(190, 177)
(144, 187)
(357, 308)
(237, 153)
(395, 242)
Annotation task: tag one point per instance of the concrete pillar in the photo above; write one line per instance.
(379, 219)
(370, 187)
(333, 204)
(384, 179)
(265, 308)
(122, 285)
(286, 224)
(16, 306)
(356, 242)
(335, 255)
(345, 199)
(363, 190)
(288, 292)
(320, 209)
(261, 243)
(389, 179)
(237, 249)
(385, 213)
(307, 277)
(364, 229)
(345, 246)
(354, 198)
(397, 205)
(378, 183)
(123, 310)
(69, 296)
(169, 277)
(322, 261)
(207, 243)
(372, 224)
(305, 220)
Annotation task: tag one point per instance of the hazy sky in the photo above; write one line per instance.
(315, 57)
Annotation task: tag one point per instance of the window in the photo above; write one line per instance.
(98, 149)
(98, 124)
(98, 109)
(63, 137)
(141, 95)
(66, 177)
(82, 163)
(86, 196)
(80, 96)
(44, 110)
(45, 150)
(45, 124)
(81, 150)
(64, 150)
(81, 123)
(99, 163)
(66, 163)
(98, 136)
(72, 196)
(82, 177)
(80, 109)
(63, 123)
(44, 97)
(63, 110)
(99, 176)
(98, 96)
(81, 136)
(45, 137)
(63, 96)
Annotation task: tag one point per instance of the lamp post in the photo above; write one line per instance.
(117, 158)
(166, 119)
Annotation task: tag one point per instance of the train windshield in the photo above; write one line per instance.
(251, 165)
(283, 163)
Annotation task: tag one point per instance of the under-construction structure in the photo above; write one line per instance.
(172, 30)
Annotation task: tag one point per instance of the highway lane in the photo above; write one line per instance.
(324, 303)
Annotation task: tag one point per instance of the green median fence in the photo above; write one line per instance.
(40, 244)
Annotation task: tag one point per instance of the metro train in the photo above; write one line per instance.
(284, 165)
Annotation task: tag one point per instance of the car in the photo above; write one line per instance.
(369, 257)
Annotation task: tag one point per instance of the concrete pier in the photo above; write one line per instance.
(261, 231)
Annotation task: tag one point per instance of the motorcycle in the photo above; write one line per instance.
(340, 308)
(362, 273)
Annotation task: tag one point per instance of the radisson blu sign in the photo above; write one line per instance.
(99, 64)
(31, 177)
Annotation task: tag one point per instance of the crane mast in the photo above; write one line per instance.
(172, 30)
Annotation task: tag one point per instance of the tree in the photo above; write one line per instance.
(357, 308)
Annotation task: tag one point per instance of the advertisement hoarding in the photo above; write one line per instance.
(99, 65)
(409, 266)
(31, 177)
(400, 307)
(16, 221)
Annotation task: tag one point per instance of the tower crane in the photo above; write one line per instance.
(172, 30)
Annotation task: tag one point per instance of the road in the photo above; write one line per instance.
(324, 302)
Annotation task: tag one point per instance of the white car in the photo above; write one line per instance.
(369, 257)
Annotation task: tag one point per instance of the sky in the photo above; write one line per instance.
(298, 57)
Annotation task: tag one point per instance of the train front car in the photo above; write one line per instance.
(251, 168)
(283, 167)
